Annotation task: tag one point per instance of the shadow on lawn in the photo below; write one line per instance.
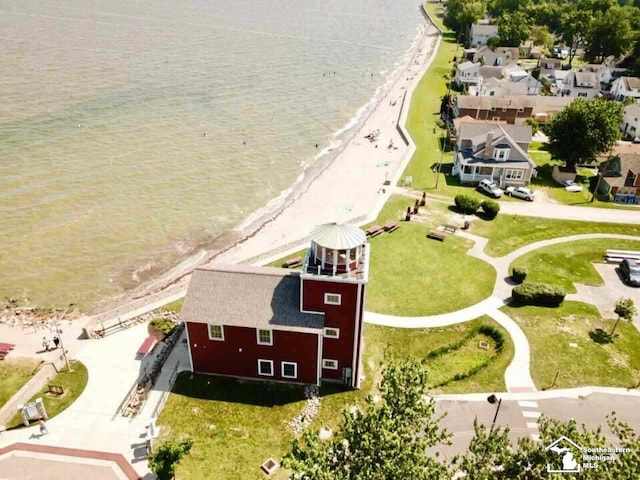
(601, 337)
(249, 392)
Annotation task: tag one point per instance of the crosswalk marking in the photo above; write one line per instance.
(531, 414)
(535, 437)
(532, 425)
(526, 404)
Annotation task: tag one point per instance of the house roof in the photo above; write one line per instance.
(247, 296)
(490, 71)
(586, 77)
(632, 109)
(467, 66)
(338, 236)
(478, 134)
(480, 29)
(468, 119)
(490, 56)
(536, 102)
(631, 82)
(480, 128)
(619, 168)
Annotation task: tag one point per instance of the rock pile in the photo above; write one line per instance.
(310, 410)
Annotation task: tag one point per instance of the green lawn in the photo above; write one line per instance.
(14, 373)
(248, 420)
(569, 263)
(279, 262)
(551, 331)
(175, 306)
(411, 275)
(509, 232)
(73, 383)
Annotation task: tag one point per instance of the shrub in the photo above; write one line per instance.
(490, 209)
(518, 274)
(541, 294)
(160, 328)
(467, 204)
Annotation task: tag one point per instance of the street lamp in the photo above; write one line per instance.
(492, 399)
(59, 335)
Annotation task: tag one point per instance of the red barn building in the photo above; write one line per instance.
(283, 325)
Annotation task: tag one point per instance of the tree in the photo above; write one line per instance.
(163, 461)
(461, 14)
(490, 455)
(540, 36)
(584, 129)
(513, 29)
(574, 28)
(386, 439)
(625, 309)
(609, 34)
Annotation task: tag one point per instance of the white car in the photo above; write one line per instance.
(571, 186)
(521, 192)
(491, 188)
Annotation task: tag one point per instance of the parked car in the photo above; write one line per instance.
(630, 271)
(521, 192)
(490, 188)
(571, 186)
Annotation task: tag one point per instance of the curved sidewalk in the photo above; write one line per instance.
(518, 373)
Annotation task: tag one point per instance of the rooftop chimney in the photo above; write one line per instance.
(488, 148)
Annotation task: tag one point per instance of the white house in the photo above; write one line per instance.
(480, 34)
(579, 85)
(626, 87)
(493, 151)
(467, 73)
(496, 56)
(532, 85)
(497, 87)
(631, 120)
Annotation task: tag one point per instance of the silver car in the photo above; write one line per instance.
(491, 188)
(521, 192)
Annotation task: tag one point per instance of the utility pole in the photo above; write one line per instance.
(59, 335)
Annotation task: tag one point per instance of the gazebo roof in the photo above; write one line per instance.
(338, 236)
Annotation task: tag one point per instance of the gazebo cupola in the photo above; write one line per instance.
(336, 249)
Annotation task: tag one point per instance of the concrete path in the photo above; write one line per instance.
(517, 375)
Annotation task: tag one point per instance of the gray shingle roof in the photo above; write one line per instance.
(471, 130)
(247, 296)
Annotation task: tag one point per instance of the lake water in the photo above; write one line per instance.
(133, 134)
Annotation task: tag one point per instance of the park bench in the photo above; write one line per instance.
(436, 235)
(373, 230)
(391, 226)
(147, 346)
(6, 347)
(293, 262)
(616, 256)
(55, 389)
(449, 228)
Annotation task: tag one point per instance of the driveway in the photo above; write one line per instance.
(605, 296)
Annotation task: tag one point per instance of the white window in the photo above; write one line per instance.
(501, 154)
(289, 370)
(265, 368)
(330, 364)
(332, 299)
(216, 332)
(332, 332)
(514, 174)
(265, 337)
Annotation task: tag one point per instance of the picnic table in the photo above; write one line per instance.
(436, 235)
(391, 226)
(147, 346)
(293, 262)
(374, 230)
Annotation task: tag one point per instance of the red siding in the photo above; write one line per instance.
(336, 316)
(636, 182)
(238, 354)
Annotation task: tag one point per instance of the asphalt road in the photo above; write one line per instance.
(592, 411)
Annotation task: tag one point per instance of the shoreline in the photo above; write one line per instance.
(345, 186)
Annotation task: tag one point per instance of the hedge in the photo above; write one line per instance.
(490, 209)
(540, 294)
(518, 274)
(160, 328)
(466, 203)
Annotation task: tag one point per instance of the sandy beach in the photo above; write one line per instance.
(350, 189)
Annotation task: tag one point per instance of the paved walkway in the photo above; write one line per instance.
(517, 375)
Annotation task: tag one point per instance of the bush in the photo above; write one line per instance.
(490, 209)
(160, 328)
(540, 294)
(467, 204)
(518, 274)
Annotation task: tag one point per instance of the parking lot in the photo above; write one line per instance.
(605, 296)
